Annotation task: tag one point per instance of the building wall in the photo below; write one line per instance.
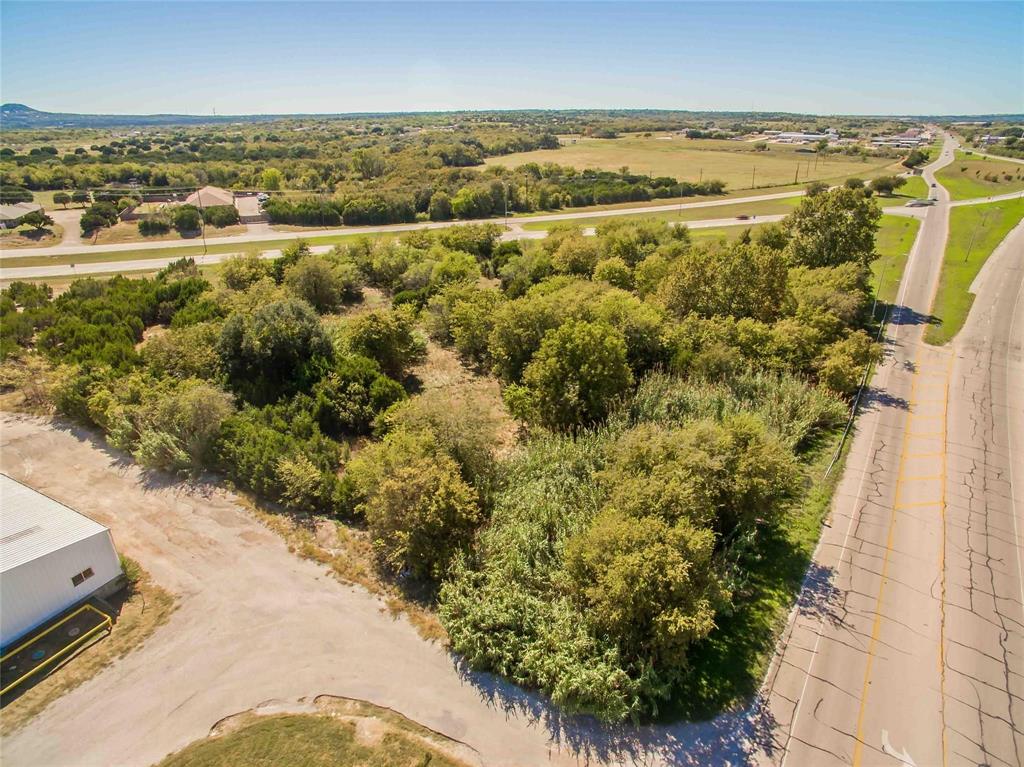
(39, 589)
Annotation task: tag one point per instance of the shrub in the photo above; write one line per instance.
(277, 350)
(154, 226)
(220, 215)
(242, 271)
(576, 375)
(349, 397)
(323, 283)
(387, 336)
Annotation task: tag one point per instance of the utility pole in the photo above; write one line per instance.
(202, 219)
(506, 205)
(981, 225)
(752, 176)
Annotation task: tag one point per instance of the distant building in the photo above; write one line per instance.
(210, 196)
(11, 215)
(51, 558)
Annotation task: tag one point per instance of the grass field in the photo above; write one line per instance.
(736, 163)
(965, 177)
(319, 740)
(915, 188)
(974, 232)
(726, 210)
(893, 243)
(29, 237)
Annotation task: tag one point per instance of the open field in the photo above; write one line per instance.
(29, 237)
(376, 736)
(974, 232)
(966, 178)
(736, 163)
(893, 243)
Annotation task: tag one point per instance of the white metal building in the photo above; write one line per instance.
(51, 557)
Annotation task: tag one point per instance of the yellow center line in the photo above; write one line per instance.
(858, 747)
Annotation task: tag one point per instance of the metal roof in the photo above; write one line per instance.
(18, 210)
(33, 525)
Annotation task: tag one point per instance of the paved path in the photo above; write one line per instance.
(908, 644)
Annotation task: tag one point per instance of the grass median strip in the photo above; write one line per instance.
(895, 238)
(974, 232)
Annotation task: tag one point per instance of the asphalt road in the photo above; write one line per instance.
(907, 646)
(152, 264)
(263, 234)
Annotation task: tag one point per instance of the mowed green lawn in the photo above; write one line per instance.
(971, 176)
(736, 163)
(893, 243)
(974, 232)
(729, 210)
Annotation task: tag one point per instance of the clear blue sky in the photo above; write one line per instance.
(286, 57)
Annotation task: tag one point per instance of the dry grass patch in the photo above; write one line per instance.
(128, 231)
(30, 237)
(143, 606)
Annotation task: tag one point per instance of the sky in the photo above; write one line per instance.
(251, 57)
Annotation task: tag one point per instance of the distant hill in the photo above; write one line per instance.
(15, 116)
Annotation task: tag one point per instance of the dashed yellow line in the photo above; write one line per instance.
(858, 748)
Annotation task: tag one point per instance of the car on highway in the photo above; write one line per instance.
(920, 203)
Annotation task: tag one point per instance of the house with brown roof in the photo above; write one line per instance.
(210, 196)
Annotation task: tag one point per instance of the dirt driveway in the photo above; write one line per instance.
(254, 623)
(257, 626)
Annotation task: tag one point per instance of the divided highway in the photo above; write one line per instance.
(907, 646)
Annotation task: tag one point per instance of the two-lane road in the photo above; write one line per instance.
(908, 645)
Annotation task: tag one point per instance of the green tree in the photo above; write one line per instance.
(61, 198)
(323, 283)
(648, 583)
(368, 163)
(421, 516)
(576, 375)
(271, 179)
(886, 185)
(833, 228)
(419, 510)
(37, 220)
(440, 208)
(389, 337)
(279, 348)
(244, 270)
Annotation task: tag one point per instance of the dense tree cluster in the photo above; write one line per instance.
(669, 393)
